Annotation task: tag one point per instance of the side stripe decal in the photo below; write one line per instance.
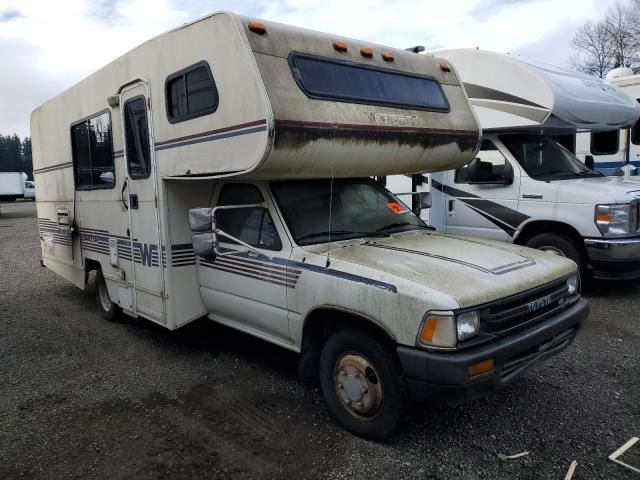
(506, 218)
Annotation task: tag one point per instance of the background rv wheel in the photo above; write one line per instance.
(363, 384)
(558, 244)
(109, 310)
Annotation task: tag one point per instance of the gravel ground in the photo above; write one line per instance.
(85, 398)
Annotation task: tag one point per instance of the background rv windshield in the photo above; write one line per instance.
(360, 208)
(545, 159)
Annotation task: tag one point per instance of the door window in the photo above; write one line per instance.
(493, 164)
(137, 138)
(253, 225)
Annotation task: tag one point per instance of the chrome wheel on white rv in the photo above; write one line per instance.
(362, 383)
(109, 310)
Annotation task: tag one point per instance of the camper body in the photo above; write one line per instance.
(12, 185)
(524, 186)
(616, 151)
(232, 183)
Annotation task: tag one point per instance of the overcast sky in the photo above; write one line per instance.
(46, 45)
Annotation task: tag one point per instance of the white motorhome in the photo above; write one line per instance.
(221, 170)
(523, 186)
(614, 151)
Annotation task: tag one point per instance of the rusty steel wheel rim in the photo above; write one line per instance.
(358, 385)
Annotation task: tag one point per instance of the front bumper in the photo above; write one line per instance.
(614, 258)
(443, 378)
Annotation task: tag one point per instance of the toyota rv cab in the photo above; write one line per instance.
(524, 186)
(232, 183)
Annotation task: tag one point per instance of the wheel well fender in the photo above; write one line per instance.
(534, 228)
(320, 323)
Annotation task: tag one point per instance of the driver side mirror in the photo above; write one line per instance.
(589, 162)
(206, 242)
(425, 200)
(481, 173)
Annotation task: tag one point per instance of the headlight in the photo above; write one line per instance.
(444, 329)
(616, 220)
(573, 284)
(468, 325)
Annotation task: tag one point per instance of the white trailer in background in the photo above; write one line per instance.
(222, 169)
(12, 186)
(523, 186)
(614, 152)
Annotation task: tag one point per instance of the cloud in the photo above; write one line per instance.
(48, 47)
(10, 14)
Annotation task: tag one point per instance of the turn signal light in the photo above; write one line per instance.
(481, 367)
(387, 56)
(257, 27)
(366, 52)
(428, 330)
(340, 46)
(604, 217)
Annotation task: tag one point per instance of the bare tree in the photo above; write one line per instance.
(594, 49)
(622, 29)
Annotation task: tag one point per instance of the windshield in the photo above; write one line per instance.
(359, 208)
(545, 159)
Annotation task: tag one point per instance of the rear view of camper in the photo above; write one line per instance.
(223, 170)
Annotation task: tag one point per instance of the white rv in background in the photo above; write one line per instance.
(222, 169)
(524, 186)
(609, 151)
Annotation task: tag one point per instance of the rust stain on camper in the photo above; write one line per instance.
(294, 134)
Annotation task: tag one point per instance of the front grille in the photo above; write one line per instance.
(525, 308)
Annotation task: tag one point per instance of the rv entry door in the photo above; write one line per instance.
(140, 202)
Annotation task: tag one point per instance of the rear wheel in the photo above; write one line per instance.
(109, 310)
(558, 244)
(363, 384)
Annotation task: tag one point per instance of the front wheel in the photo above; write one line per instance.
(109, 310)
(558, 244)
(363, 384)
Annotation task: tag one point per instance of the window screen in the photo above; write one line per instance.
(635, 132)
(493, 164)
(92, 152)
(191, 93)
(251, 225)
(605, 143)
(136, 130)
(331, 79)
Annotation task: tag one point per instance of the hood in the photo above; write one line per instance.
(598, 190)
(471, 271)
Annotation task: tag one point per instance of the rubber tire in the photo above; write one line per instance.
(563, 243)
(114, 313)
(395, 391)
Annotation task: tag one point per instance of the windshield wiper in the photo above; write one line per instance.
(403, 224)
(326, 233)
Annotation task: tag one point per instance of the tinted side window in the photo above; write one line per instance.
(191, 93)
(635, 132)
(92, 152)
(605, 143)
(326, 78)
(493, 163)
(136, 129)
(251, 225)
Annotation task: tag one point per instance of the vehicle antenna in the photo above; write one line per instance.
(330, 205)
